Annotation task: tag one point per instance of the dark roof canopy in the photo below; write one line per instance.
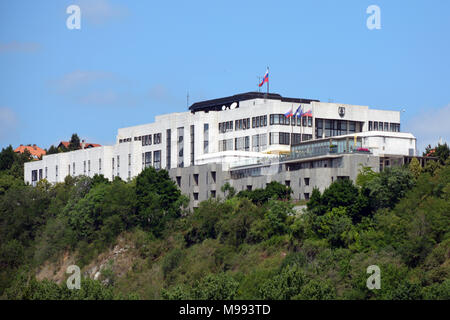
(216, 104)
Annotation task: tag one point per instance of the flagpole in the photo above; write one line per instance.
(292, 128)
(267, 81)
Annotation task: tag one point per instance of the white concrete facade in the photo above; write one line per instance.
(129, 155)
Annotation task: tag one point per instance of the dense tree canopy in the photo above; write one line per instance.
(255, 244)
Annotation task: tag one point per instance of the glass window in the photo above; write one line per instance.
(157, 159)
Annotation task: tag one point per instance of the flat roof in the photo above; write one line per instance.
(216, 104)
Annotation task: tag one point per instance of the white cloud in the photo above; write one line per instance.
(79, 78)
(429, 126)
(8, 123)
(107, 97)
(14, 46)
(101, 11)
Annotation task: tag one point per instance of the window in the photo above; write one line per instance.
(84, 167)
(296, 138)
(73, 167)
(213, 176)
(179, 181)
(146, 159)
(168, 148)
(56, 172)
(40, 174)
(206, 138)
(226, 126)
(213, 193)
(129, 159)
(99, 165)
(279, 138)
(156, 138)
(370, 125)
(306, 181)
(180, 133)
(225, 145)
(89, 167)
(46, 172)
(192, 145)
(196, 179)
(306, 196)
(375, 126)
(157, 159)
(195, 196)
(147, 140)
(287, 183)
(118, 162)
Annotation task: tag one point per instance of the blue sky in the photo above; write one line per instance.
(132, 60)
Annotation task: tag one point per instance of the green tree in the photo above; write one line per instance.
(52, 150)
(415, 167)
(7, 158)
(158, 199)
(74, 143)
(228, 190)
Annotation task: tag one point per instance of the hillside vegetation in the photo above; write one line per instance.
(250, 245)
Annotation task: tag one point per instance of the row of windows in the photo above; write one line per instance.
(209, 177)
(281, 119)
(384, 126)
(242, 143)
(147, 139)
(331, 128)
(242, 124)
(260, 121)
(147, 159)
(225, 145)
(226, 126)
(329, 163)
(279, 138)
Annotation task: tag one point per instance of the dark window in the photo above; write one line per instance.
(196, 179)
(306, 181)
(157, 159)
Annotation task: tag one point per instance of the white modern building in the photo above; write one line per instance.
(234, 132)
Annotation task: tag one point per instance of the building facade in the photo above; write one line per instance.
(246, 140)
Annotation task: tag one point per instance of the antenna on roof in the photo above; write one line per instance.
(187, 99)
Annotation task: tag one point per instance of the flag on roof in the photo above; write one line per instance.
(289, 113)
(308, 113)
(299, 112)
(265, 78)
